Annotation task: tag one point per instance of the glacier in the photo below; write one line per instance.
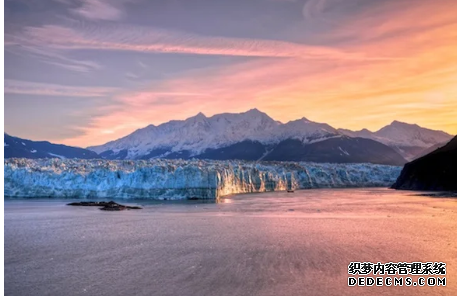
(180, 179)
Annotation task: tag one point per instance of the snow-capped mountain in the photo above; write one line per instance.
(17, 147)
(253, 135)
(407, 139)
(197, 134)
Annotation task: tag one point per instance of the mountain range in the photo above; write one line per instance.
(17, 147)
(253, 135)
(410, 140)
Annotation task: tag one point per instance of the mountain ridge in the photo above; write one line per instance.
(407, 139)
(199, 133)
(23, 148)
(251, 135)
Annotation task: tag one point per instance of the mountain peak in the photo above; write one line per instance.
(199, 117)
(200, 114)
(402, 124)
(255, 111)
(301, 120)
(257, 114)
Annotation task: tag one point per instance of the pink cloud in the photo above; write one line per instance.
(144, 39)
(46, 89)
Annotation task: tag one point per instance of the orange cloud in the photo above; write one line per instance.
(418, 87)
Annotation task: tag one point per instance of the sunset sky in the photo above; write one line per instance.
(84, 72)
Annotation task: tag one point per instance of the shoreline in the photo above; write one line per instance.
(95, 198)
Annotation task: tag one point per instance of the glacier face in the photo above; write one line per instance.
(180, 179)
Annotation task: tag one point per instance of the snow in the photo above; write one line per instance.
(4, 144)
(23, 143)
(56, 155)
(344, 151)
(33, 151)
(265, 154)
(198, 133)
(400, 134)
(179, 179)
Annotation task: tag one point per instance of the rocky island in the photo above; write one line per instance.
(104, 206)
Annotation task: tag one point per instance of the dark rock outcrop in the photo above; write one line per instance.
(435, 171)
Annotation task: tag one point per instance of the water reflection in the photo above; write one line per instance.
(225, 200)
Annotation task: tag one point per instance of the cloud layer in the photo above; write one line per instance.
(46, 89)
(146, 39)
(99, 10)
(353, 64)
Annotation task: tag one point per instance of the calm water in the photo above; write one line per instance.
(258, 244)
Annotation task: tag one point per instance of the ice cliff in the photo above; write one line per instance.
(179, 179)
